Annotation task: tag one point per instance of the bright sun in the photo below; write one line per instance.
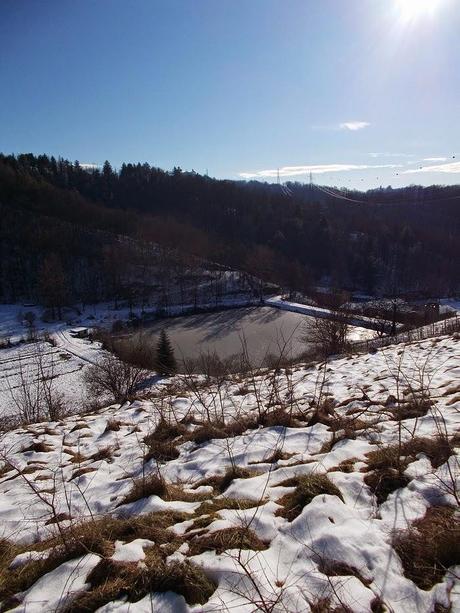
(410, 9)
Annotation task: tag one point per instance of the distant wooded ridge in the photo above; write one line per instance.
(395, 241)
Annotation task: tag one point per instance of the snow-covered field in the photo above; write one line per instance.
(292, 505)
(64, 360)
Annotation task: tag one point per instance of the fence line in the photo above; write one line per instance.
(446, 326)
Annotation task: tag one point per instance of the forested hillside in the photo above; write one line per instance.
(70, 217)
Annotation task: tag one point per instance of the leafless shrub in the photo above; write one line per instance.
(114, 377)
(328, 334)
(33, 390)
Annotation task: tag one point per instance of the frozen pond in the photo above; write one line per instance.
(264, 330)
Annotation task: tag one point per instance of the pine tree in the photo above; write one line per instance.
(165, 362)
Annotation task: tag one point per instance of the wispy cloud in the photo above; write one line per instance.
(387, 154)
(354, 125)
(434, 160)
(345, 125)
(452, 168)
(319, 169)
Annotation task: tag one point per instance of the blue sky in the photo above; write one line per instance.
(364, 91)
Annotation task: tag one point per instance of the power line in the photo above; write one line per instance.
(339, 196)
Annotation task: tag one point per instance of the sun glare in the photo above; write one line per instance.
(411, 9)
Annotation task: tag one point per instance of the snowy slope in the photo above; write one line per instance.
(329, 429)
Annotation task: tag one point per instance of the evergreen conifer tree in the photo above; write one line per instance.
(165, 362)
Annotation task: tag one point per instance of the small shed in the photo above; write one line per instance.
(79, 332)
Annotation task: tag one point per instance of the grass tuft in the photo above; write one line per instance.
(223, 540)
(306, 488)
(221, 482)
(430, 546)
(111, 580)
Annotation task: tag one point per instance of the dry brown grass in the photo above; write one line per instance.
(279, 417)
(163, 451)
(113, 425)
(334, 568)
(430, 547)
(385, 481)
(324, 605)
(221, 482)
(306, 488)
(438, 450)
(217, 504)
(150, 485)
(166, 431)
(412, 409)
(386, 465)
(75, 456)
(220, 430)
(223, 540)
(103, 454)
(112, 580)
(5, 469)
(79, 426)
(345, 466)
(95, 536)
(38, 447)
(274, 457)
(82, 471)
(155, 485)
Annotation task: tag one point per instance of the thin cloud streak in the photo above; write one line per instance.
(434, 160)
(354, 125)
(452, 168)
(386, 154)
(293, 171)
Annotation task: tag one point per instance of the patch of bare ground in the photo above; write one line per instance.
(306, 488)
(430, 547)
